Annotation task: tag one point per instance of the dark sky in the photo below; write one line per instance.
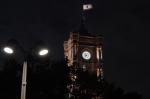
(124, 24)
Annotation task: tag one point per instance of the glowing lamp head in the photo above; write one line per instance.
(8, 50)
(43, 52)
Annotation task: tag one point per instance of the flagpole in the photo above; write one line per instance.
(85, 7)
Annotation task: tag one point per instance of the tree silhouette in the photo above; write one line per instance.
(112, 92)
(48, 79)
(9, 84)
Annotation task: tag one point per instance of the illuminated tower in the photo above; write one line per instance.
(85, 54)
(84, 51)
(85, 60)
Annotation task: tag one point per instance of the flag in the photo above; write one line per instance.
(87, 6)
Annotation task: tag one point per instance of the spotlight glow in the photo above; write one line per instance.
(8, 50)
(43, 52)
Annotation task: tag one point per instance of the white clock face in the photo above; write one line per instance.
(86, 55)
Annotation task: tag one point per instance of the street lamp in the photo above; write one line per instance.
(43, 52)
(10, 50)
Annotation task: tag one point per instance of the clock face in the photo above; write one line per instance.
(86, 55)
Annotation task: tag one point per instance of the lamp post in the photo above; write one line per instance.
(9, 50)
(24, 81)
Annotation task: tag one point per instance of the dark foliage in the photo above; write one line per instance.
(9, 83)
(45, 79)
(112, 92)
(48, 80)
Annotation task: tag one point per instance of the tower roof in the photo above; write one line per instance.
(82, 30)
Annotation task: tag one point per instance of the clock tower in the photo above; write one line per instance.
(84, 54)
(84, 51)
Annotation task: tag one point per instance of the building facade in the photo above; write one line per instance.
(85, 55)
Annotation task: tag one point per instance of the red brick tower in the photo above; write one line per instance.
(85, 55)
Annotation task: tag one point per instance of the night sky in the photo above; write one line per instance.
(124, 24)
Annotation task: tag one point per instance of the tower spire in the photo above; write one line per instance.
(82, 29)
